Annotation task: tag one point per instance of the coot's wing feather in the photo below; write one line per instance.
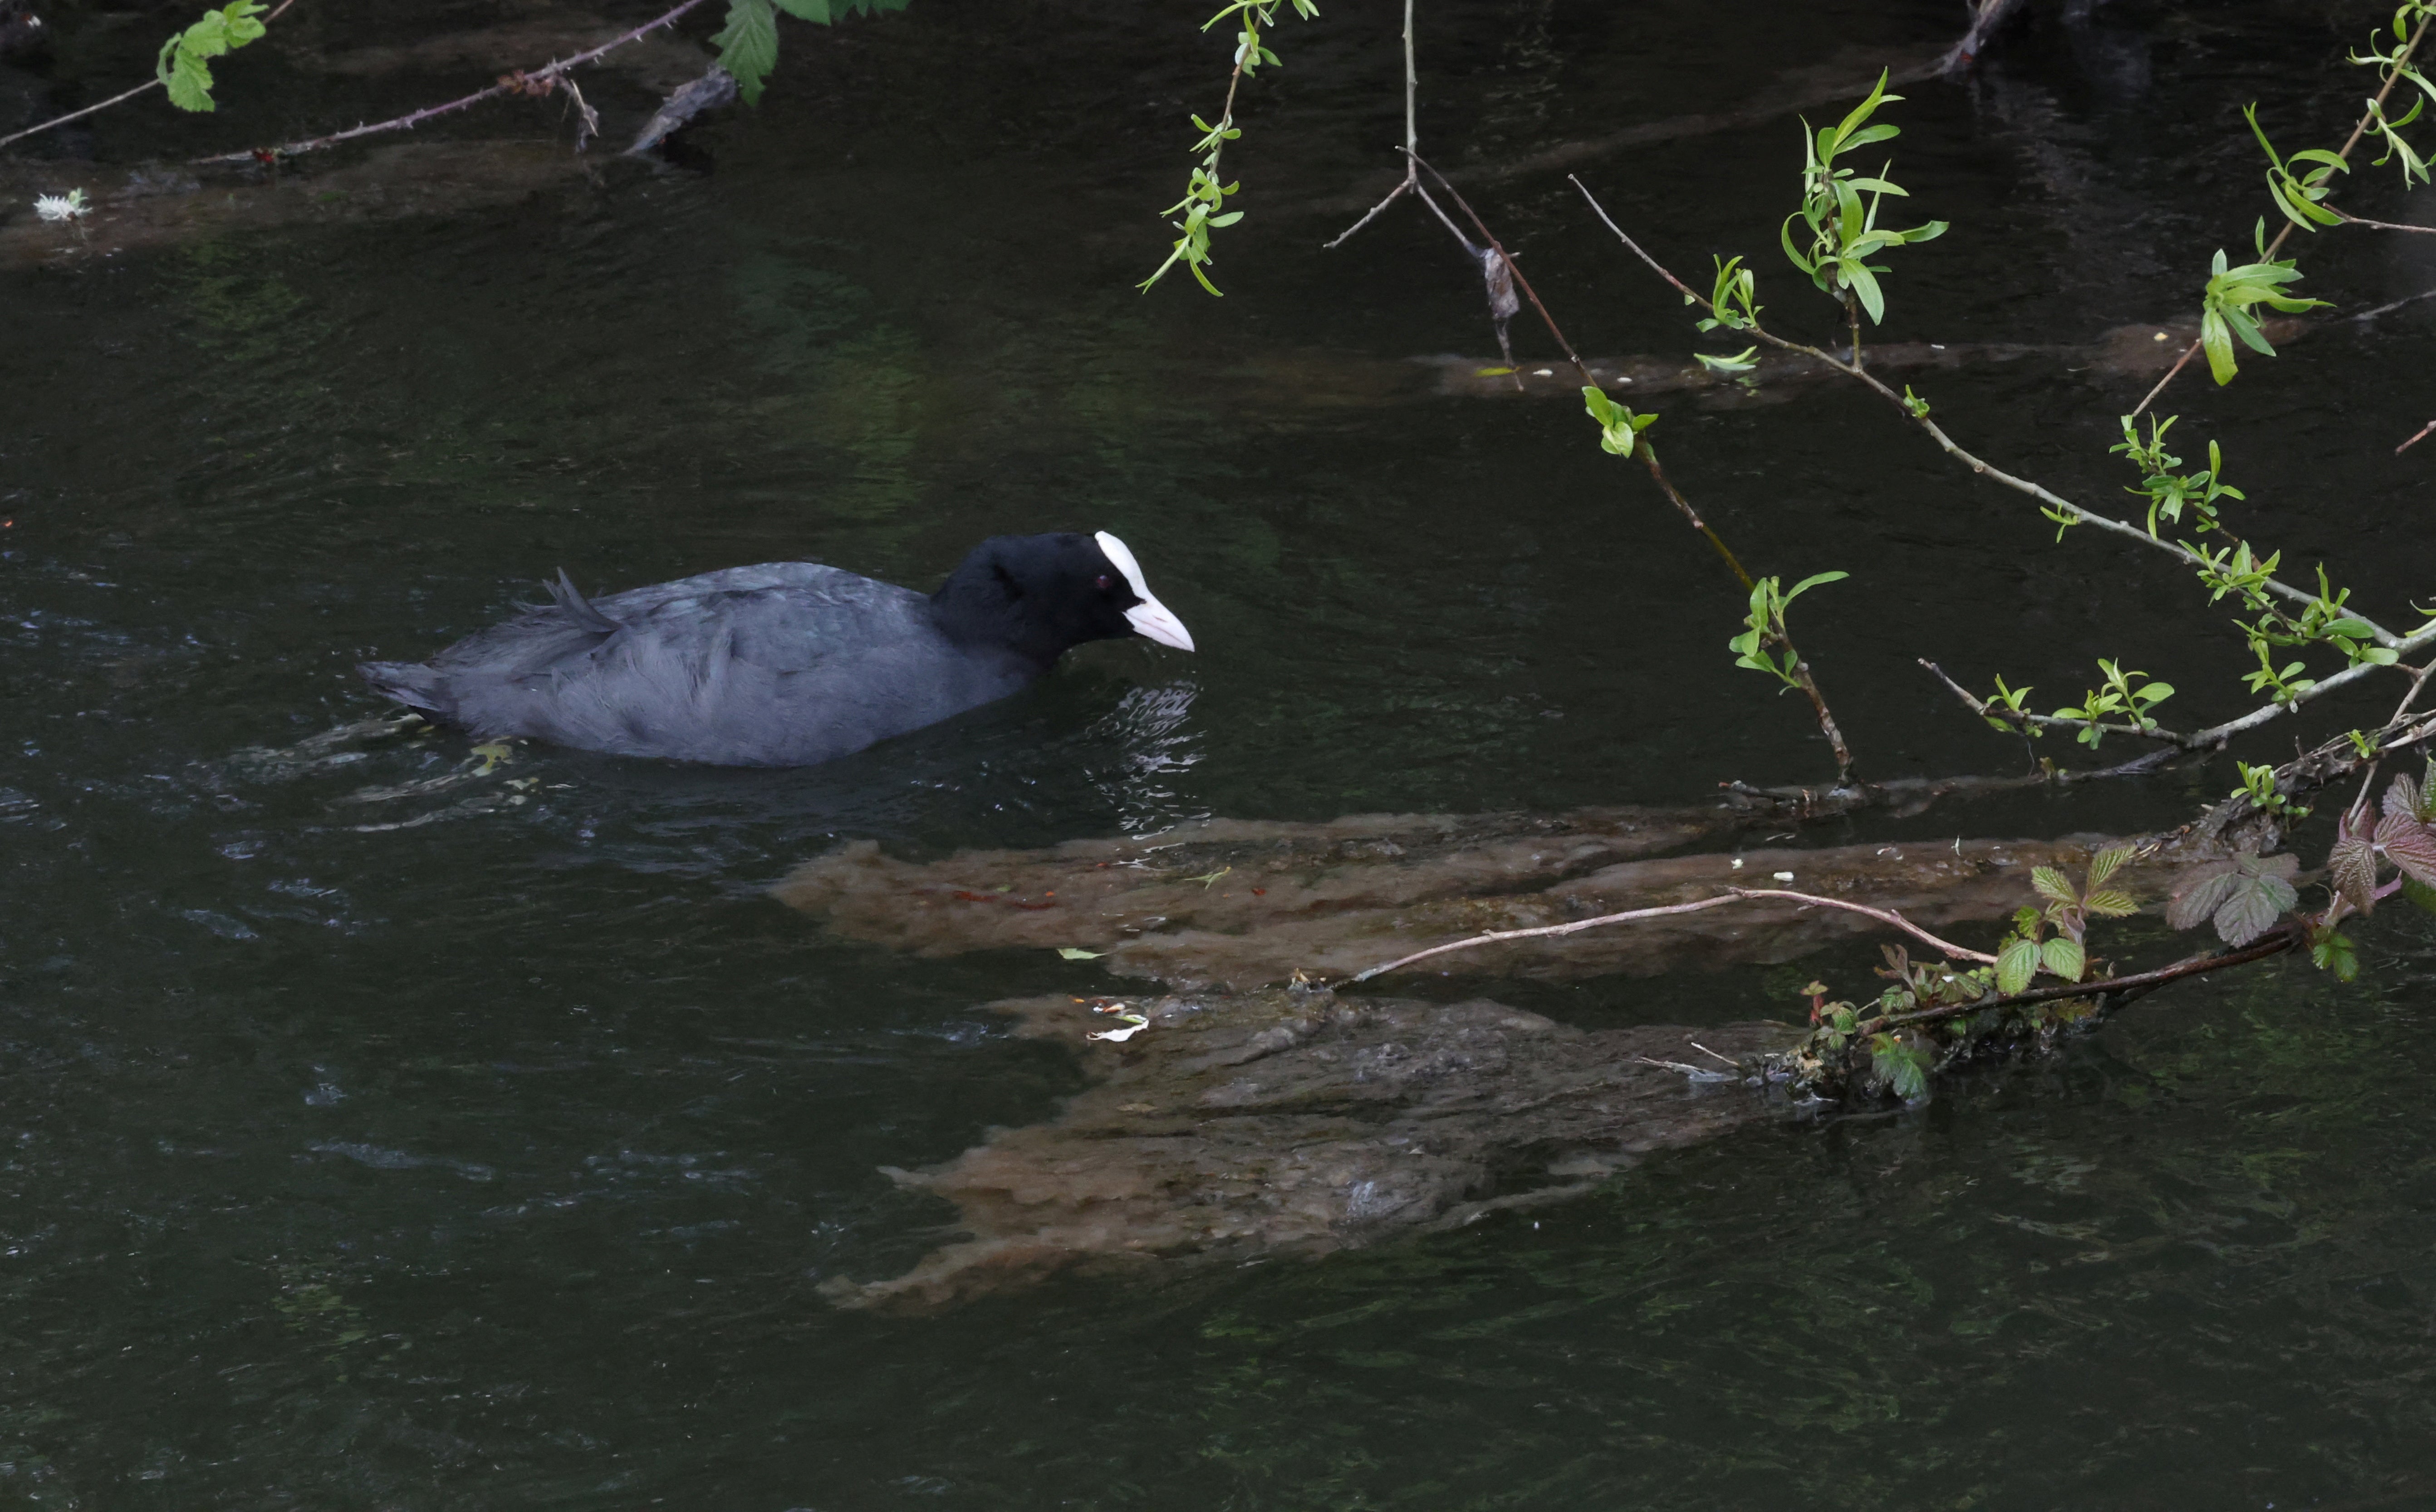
(781, 664)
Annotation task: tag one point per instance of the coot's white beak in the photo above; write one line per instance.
(1150, 619)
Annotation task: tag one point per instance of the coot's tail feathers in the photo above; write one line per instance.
(412, 683)
(578, 608)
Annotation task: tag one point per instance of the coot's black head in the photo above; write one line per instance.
(1039, 595)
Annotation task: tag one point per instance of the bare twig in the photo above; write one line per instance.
(521, 83)
(1411, 144)
(1736, 894)
(2416, 439)
(2350, 220)
(2359, 128)
(115, 100)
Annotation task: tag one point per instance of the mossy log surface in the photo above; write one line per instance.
(1295, 1122)
(1239, 903)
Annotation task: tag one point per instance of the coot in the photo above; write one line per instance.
(784, 664)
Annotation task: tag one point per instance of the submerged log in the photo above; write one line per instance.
(1295, 1122)
(137, 209)
(1239, 903)
(1231, 1122)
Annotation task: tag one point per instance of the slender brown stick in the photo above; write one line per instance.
(1412, 141)
(514, 84)
(1649, 456)
(2416, 440)
(1736, 894)
(114, 99)
(2359, 128)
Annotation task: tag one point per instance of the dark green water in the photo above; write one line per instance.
(494, 1160)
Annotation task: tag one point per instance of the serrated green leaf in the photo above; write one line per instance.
(2105, 863)
(2050, 884)
(2016, 964)
(748, 45)
(2109, 904)
(2419, 894)
(2066, 957)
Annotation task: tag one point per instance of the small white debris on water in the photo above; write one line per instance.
(1738, 863)
(1543, 373)
(2159, 337)
(1937, 346)
(66, 206)
(1785, 877)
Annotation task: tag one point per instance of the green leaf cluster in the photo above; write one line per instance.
(2392, 65)
(2231, 303)
(1619, 428)
(2126, 695)
(1757, 647)
(184, 64)
(1843, 224)
(1204, 205)
(2298, 195)
(1733, 304)
(2170, 493)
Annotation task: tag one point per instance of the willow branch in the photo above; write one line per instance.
(514, 84)
(1987, 710)
(1736, 895)
(2359, 128)
(1985, 469)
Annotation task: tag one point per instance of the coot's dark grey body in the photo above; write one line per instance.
(786, 664)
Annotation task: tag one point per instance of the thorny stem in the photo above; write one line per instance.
(114, 99)
(1853, 317)
(516, 84)
(1735, 895)
(2359, 128)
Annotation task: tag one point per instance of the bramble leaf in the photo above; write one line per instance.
(2409, 845)
(2351, 871)
(2202, 894)
(2016, 964)
(2105, 865)
(748, 45)
(2050, 884)
(2066, 957)
(2110, 903)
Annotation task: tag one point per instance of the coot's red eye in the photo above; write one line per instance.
(1106, 583)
